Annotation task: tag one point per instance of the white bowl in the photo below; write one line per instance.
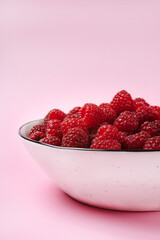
(120, 180)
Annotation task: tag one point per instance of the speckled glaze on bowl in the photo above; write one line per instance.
(119, 180)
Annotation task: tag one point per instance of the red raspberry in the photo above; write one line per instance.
(37, 135)
(72, 123)
(152, 144)
(157, 109)
(127, 112)
(121, 136)
(53, 128)
(54, 114)
(74, 113)
(91, 114)
(109, 115)
(140, 102)
(108, 132)
(150, 127)
(127, 122)
(122, 101)
(104, 105)
(38, 128)
(107, 144)
(157, 124)
(97, 139)
(146, 113)
(136, 141)
(75, 137)
(52, 140)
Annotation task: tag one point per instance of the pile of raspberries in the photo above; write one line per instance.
(122, 124)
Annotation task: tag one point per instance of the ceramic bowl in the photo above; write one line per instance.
(119, 180)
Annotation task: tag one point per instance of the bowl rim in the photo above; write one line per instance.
(73, 148)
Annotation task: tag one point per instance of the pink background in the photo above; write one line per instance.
(59, 54)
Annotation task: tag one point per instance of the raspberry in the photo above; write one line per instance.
(97, 139)
(107, 144)
(72, 123)
(136, 141)
(127, 112)
(122, 101)
(91, 114)
(53, 128)
(52, 140)
(140, 102)
(127, 122)
(152, 143)
(107, 132)
(38, 128)
(121, 136)
(109, 115)
(157, 124)
(104, 105)
(146, 113)
(157, 109)
(75, 137)
(54, 114)
(110, 132)
(37, 135)
(123, 123)
(150, 127)
(74, 113)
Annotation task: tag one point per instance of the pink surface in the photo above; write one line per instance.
(59, 54)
